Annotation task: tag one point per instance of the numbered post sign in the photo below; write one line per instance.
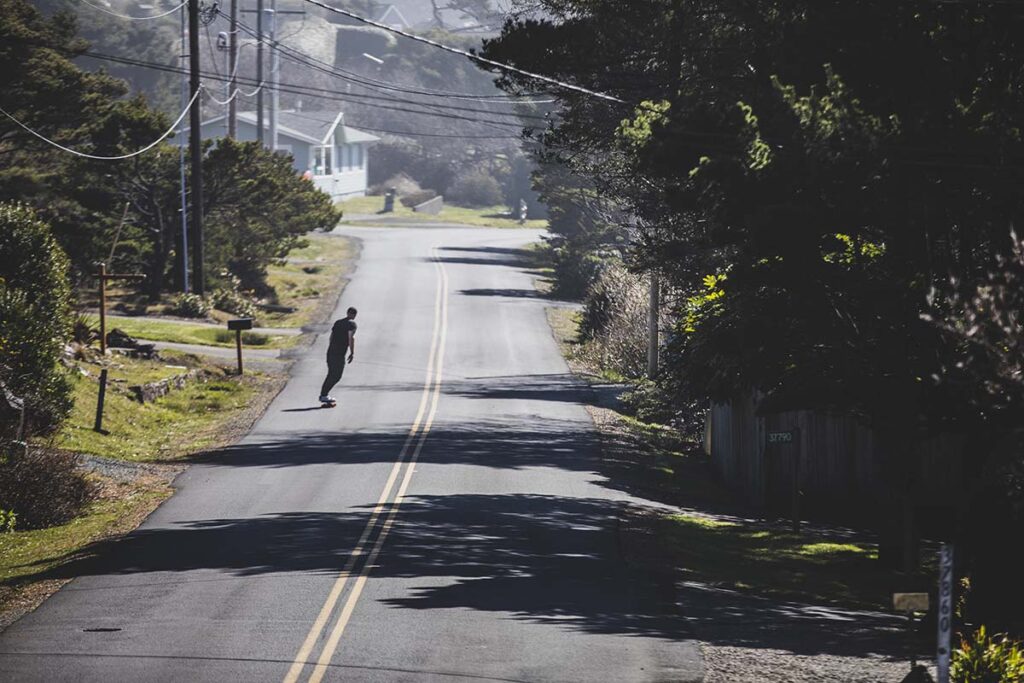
(945, 611)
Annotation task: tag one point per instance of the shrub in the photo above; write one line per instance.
(394, 157)
(475, 188)
(35, 317)
(401, 183)
(233, 302)
(987, 659)
(8, 520)
(614, 325)
(574, 272)
(248, 337)
(43, 488)
(189, 306)
(417, 198)
(255, 338)
(83, 331)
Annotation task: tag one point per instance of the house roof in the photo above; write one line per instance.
(392, 16)
(314, 127)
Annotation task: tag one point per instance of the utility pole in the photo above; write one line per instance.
(275, 64)
(275, 71)
(224, 46)
(259, 71)
(652, 326)
(233, 71)
(181, 162)
(196, 149)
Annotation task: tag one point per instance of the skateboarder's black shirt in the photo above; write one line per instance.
(339, 337)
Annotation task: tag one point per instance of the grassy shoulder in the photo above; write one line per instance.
(27, 556)
(204, 415)
(487, 217)
(717, 541)
(182, 422)
(309, 280)
(154, 329)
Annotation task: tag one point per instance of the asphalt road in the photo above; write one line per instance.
(446, 522)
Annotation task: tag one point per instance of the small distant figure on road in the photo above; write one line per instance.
(522, 212)
(343, 338)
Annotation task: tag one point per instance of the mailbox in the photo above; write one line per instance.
(240, 324)
(910, 602)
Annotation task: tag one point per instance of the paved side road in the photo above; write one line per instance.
(447, 521)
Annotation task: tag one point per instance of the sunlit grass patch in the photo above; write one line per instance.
(149, 329)
(311, 276)
(748, 556)
(180, 422)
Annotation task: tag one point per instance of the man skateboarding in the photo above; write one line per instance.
(343, 336)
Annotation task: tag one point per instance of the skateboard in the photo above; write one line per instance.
(328, 404)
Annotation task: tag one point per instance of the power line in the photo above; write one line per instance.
(331, 70)
(428, 92)
(425, 135)
(391, 98)
(385, 96)
(131, 18)
(470, 55)
(309, 91)
(105, 158)
(320, 93)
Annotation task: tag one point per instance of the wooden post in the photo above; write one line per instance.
(98, 427)
(103, 276)
(238, 345)
(239, 324)
(103, 309)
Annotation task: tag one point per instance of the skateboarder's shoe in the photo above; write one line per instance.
(328, 400)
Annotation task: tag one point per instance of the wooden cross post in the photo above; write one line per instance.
(102, 275)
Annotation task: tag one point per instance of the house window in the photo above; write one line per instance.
(322, 160)
(346, 157)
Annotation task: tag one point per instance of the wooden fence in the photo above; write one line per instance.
(839, 464)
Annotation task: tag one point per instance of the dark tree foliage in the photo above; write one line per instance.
(257, 209)
(806, 172)
(256, 205)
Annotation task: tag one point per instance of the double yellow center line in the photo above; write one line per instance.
(407, 458)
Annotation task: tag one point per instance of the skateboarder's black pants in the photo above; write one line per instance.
(335, 368)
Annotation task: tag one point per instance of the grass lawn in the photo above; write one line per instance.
(154, 329)
(309, 280)
(180, 423)
(492, 216)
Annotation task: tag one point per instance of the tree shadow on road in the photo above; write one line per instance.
(544, 559)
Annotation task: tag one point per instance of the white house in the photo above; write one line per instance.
(334, 155)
